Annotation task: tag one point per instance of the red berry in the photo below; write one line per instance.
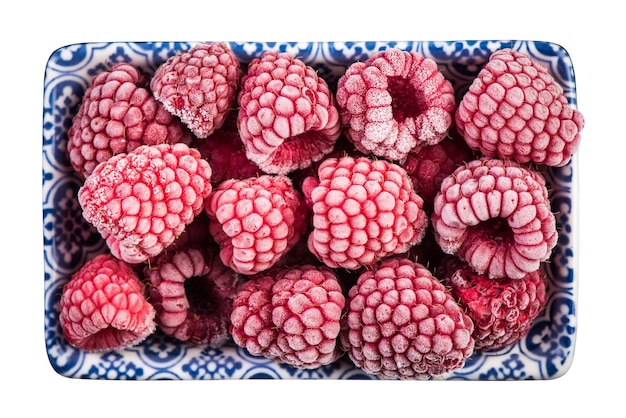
(193, 292)
(140, 202)
(495, 215)
(256, 221)
(516, 110)
(402, 323)
(199, 86)
(103, 307)
(287, 117)
(291, 315)
(393, 102)
(117, 114)
(363, 210)
(503, 310)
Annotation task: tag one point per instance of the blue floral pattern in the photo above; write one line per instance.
(545, 353)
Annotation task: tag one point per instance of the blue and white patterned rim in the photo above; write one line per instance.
(545, 353)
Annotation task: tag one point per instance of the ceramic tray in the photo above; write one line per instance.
(545, 353)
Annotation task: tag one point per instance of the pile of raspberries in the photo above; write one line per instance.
(382, 220)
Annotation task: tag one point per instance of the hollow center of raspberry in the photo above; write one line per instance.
(406, 100)
(201, 295)
(496, 229)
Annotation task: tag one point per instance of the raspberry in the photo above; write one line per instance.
(394, 101)
(429, 165)
(293, 318)
(363, 210)
(496, 216)
(515, 109)
(118, 114)
(193, 292)
(224, 151)
(256, 221)
(402, 323)
(103, 307)
(199, 86)
(140, 202)
(287, 118)
(503, 310)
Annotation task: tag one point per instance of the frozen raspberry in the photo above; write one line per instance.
(103, 307)
(516, 110)
(402, 323)
(363, 210)
(429, 165)
(140, 202)
(224, 151)
(193, 292)
(199, 86)
(503, 310)
(394, 101)
(287, 118)
(256, 221)
(294, 316)
(496, 216)
(117, 114)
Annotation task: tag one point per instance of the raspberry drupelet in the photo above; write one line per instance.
(287, 118)
(400, 322)
(393, 102)
(291, 315)
(363, 210)
(495, 215)
(515, 109)
(103, 307)
(192, 292)
(503, 310)
(199, 86)
(140, 202)
(256, 221)
(117, 114)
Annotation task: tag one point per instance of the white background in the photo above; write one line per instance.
(593, 34)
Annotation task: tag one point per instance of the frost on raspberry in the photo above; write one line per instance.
(495, 215)
(515, 109)
(401, 322)
(256, 221)
(103, 307)
(117, 114)
(288, 118)
(291, 315)
(395, 101)
(140, 202)
(503, 310)
(199, 86)
(193, 292)
(363, 210)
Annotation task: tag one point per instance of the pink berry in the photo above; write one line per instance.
(199, 86)
(287, 117)
(193, 292)
(291, 316)
(516, 110)
(495, 215)
(402, 323)
(363, 210)
(117, 114)
(140, 202)
(395, 101)
(503, 310)
(256, 221)
(103, 307)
